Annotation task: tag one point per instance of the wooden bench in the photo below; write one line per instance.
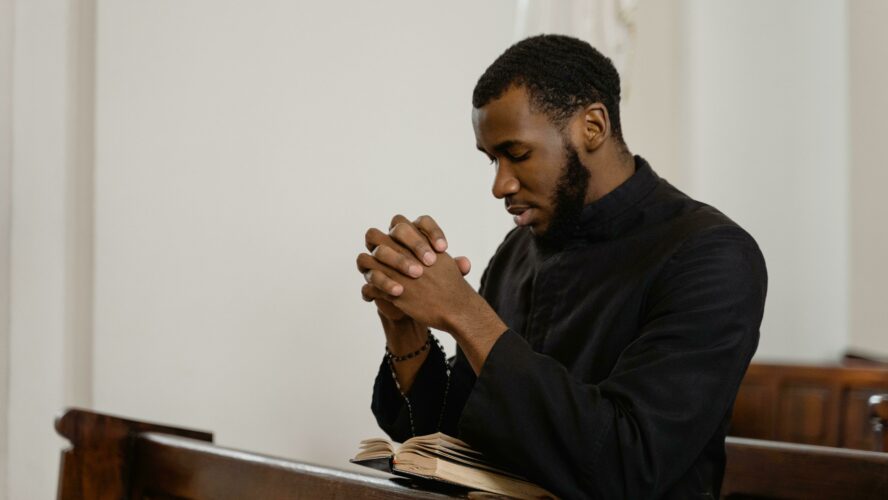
(114, 458)
(824, 405)
(773, 469)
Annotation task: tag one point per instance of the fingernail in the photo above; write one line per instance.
(441, 244)
(397, 290)
(415, 271)
(428, 258)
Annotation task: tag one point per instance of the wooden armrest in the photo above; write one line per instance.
(97, 464)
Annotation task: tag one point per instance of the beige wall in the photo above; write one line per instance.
(37, 277)
(49, 240)
(868, 42)
(652, 98)
(241, 152)
(192, 185)
(6, 37)
(765, 138)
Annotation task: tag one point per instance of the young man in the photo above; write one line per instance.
(614, 323)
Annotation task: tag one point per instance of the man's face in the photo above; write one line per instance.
(538, 172)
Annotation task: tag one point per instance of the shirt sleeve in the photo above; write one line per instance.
(432, 404)
(639, 430)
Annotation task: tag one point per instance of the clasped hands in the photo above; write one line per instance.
(416, 284)
(409, 274)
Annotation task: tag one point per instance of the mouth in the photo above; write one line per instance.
(523, 214)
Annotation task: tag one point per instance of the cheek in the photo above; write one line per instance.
(545, 186)
(538, 177)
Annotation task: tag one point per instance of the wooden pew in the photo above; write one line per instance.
(878, 405)
(773, 469)
(824, 405)
(113, 458)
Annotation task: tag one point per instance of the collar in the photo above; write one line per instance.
(609, 216)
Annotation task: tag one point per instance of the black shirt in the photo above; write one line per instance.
(624, 353)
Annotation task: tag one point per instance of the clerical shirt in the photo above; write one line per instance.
(623, 357)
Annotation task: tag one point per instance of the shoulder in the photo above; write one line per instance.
(694, 224)
(714, 255)
(702, 240)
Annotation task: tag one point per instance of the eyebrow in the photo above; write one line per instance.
(503, 146)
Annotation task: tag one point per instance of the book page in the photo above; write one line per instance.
(375, 448)
(449, 448)
(413, 463)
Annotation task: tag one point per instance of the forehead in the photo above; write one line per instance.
(511, 118)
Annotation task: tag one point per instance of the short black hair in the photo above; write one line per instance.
(560, 74)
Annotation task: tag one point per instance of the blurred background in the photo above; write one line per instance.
(185, 185)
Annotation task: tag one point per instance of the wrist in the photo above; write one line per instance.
(475, 321)
(476, 331)
(405, 336)
(396, 357)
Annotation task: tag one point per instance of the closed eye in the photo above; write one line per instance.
(518, 158)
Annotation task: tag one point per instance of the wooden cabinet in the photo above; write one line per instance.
(822, 405)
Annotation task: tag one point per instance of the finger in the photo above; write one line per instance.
(370, 293)
(365, 262)
(397, 219)
(379, 279)
(406, 234)
(367, 291)
(464, 265)
(373, 238)
(433, 232)
(397, 260)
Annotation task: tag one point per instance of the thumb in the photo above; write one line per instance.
(464, 265)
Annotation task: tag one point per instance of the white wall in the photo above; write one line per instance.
(869, 175)
(766, 142)
(38, 250)
(6, 37)
(652, 94)
(241, 153)
(50, 243)
(192, 260)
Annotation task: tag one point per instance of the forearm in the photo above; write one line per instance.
(476, 328)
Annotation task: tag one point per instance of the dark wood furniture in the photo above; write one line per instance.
(772, 469)
(878, 405)
(821, 405)
(114, 458)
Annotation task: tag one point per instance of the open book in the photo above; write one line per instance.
(440, 457)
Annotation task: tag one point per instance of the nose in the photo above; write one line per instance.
(504, 183)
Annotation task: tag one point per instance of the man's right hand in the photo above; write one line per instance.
(406, 249)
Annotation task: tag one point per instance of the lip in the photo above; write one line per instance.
(523, 214)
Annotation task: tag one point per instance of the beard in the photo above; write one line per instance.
(567, 202)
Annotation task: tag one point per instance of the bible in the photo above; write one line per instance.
(439, 457)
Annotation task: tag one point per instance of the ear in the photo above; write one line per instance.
(593, 126)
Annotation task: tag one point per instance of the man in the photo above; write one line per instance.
(614, 323)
